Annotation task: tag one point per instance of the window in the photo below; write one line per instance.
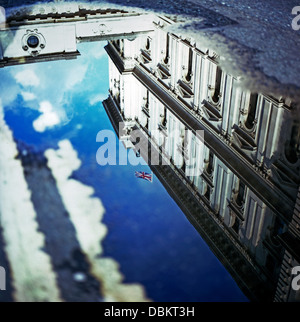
(217, 87)
(162, 125)
(33, 41)
(241, 193)
(209, 168)
(164, 118)
(147, 101)
(188, 76)
(251, 111)
(207, 192)
(166, 59)
(148, 44)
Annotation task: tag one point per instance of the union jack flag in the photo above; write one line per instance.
(144, 175)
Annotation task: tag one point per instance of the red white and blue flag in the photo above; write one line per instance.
(144, 175)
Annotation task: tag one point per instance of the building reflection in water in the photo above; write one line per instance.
(245, 203)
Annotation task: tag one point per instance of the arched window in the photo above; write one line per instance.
(207, 192)
(241, 194)
(188, 76)
(164, 118)
(249, 123)
(217, 87)
(210, 165)
(147, 101)
(166, 59)
(148, 44)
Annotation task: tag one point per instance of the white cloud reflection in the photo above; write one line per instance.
(47, 119)
(27, 77)
(49, 87)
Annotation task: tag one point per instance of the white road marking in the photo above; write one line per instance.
(86, 213)
(32, 273)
